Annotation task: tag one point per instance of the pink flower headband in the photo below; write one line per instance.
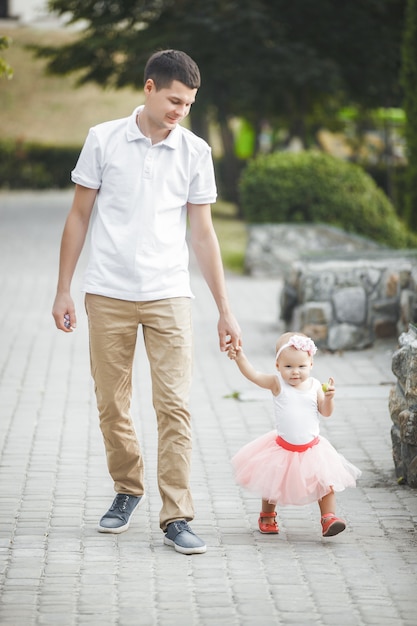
(299, 343)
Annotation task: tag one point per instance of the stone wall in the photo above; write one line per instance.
(346, 303)
(272, 248)
(403, 408)
(343, 290)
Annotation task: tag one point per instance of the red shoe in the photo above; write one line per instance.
(332, 525)
(268, 528)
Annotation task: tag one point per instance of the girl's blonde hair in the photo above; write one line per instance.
(284, 339)
(298, 341)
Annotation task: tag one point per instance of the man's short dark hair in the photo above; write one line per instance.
(167, 65)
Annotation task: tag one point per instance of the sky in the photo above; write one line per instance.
(30, 11)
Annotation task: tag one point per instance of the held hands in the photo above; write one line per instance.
(229, 332)
(232, 352)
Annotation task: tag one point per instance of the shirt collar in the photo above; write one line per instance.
(133, 132)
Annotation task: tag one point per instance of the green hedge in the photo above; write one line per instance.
(315, 187)
(34, 166)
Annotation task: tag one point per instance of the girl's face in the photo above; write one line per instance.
(294, 366)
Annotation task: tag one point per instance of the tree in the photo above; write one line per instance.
(291, 63)
(409, 81)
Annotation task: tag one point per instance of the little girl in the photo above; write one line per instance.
(293, 464)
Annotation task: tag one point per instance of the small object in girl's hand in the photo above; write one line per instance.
(67, 322)
(325, 387)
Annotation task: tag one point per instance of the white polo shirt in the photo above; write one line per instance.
(138, 229)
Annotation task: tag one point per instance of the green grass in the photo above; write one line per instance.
(40, 108)
(232, 235)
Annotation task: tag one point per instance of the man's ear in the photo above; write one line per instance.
(149, 86)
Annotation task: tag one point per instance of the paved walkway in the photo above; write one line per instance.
(55, 569)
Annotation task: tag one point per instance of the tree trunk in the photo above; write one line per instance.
(230, 167)
(199, 123)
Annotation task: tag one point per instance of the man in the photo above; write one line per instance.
(148, 175)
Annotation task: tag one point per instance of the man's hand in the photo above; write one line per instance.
(229, 332)
(63, 312)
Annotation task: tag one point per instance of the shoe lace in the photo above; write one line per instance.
(120, 502)
(181, 525)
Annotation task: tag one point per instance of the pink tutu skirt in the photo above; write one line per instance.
(280, 476)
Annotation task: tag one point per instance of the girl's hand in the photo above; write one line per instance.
(326, 398)
(232, 352)
(329, 388)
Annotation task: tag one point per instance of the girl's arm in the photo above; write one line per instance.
(266, 381)
(325, 400)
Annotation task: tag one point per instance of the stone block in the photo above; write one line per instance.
(350, 305)
(405, 279)
(316, 313)
(396, 403)
(399, 365)
(316, 285)
(403, 408)
(396, 452)
(383, 328)
(408, 456)
(392, 285)
(410, 388)
(317, 332)
(369, 277)
(388, 307)
(408, 427)
(347, 337)
(407, 304)
(412, 472)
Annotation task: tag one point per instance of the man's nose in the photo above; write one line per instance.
(182, 110)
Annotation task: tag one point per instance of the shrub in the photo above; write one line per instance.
(34, 166)
(318, 188)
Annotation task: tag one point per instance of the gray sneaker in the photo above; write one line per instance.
(117, 518)
(180, 536)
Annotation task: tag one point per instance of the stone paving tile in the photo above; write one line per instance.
(55, 569)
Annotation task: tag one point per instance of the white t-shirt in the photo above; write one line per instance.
(138, 229)
(297, 416)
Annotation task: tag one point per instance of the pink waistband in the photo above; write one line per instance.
(294, 448)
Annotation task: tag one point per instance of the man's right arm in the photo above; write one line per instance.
(72, 243)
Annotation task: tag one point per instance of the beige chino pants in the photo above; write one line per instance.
(167, 331)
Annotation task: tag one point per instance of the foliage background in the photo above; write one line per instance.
(293, 65)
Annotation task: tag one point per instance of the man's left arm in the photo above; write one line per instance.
(207, 251)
